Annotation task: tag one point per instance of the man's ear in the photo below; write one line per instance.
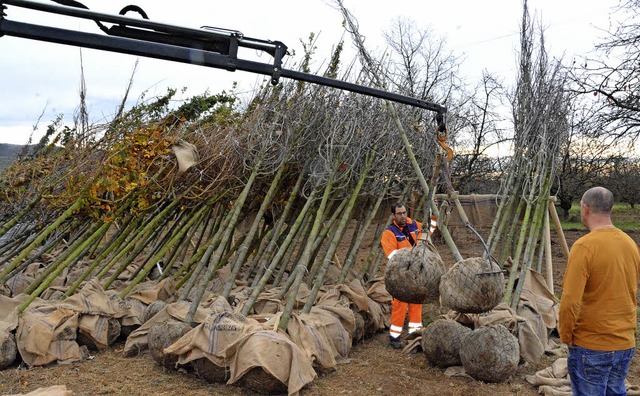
(585, 209)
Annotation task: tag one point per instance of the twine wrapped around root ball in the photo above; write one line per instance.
(441, 341)
(490, 353)
(413, 274)
(468, 287)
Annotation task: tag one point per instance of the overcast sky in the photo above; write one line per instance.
(43, 78)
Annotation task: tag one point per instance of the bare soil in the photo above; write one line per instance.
(374, 368)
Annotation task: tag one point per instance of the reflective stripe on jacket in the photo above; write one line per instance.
(393, 238)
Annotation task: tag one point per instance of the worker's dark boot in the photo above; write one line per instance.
(395, 343)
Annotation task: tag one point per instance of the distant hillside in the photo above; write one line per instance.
(8, 154)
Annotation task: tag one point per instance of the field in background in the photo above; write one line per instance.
(624, 217)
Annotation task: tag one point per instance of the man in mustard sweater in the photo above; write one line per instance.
(598, 309)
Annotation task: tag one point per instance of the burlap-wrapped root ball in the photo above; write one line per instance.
(441, 341)
(359, 332)
(468, 287)
(113, 333)
(490, 353)
(163, 334)
(210, 372)
(413, 274)
(135, 314)
(8, 349)
(152, 309)
(259, 381)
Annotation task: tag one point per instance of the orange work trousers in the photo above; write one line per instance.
(399, 313)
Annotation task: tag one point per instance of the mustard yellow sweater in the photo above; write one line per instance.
(598, 307)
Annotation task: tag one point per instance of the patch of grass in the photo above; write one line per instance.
(624, 217)
(627, 224)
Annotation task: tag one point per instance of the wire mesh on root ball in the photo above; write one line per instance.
(474, 285)
(490, 353)
(413, 274)
(441, 341)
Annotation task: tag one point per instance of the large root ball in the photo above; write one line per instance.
(473, 285)
(19, 284)
(210, 372)
(413, 274)
(359, 332)
(259, 381)
(490, 353)
(134, 318)
(8, 349)
(113, 333)
(163, 334)
(441, 341)
(152, 309)
(370, 325)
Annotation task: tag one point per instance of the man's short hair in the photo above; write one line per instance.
(598, 199)
(396, 205)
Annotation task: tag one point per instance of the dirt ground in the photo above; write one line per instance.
(373, 367)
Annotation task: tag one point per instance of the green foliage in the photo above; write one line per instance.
(334, 64)
(218, 109)
(145, 111)
(309, 49)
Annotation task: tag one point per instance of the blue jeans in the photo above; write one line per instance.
(598, 373)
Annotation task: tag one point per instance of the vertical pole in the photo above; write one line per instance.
(556, 222)
(547, 253)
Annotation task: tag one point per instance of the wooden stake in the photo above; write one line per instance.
(547, 254)
(556, 222)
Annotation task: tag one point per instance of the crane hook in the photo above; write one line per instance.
(442, 141)
(442, 134)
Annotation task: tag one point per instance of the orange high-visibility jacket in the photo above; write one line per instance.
(393, 237)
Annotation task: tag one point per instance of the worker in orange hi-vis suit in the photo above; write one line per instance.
(403, 232)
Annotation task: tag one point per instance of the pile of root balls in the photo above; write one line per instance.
(472, 286)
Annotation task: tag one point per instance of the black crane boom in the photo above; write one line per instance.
(207, 46)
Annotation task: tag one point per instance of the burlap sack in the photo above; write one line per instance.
(276, 355)
(98, 325)
(47, 334)
(149, 292)
(138, 340)
(325, 334)
(243, 344)
(55, 390)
